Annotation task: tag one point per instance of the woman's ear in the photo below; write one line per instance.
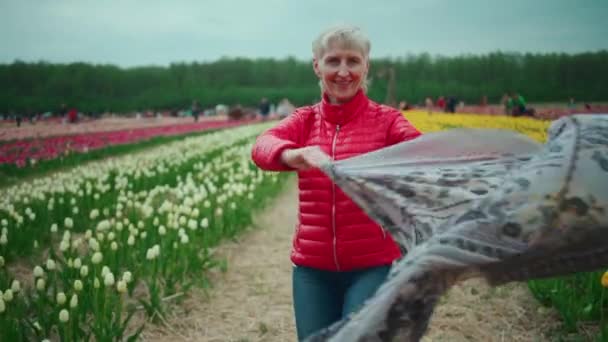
(315, 66)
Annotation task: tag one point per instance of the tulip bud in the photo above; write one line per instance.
(64, 316)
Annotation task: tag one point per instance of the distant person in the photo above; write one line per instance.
(441, 103)
(264, 108)
(196, 110)
(285, 108)
(404, 105)
(484, 101)
(18, 119)
(520, 106)
(236, 112)
(73, 115)
(62, 111)
(450, 105)
(428, 104)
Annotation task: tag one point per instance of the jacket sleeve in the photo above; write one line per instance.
(401, 130)
(266, 152)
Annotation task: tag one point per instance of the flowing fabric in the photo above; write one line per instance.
(469, 203)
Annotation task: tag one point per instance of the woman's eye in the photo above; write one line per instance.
(353, 61)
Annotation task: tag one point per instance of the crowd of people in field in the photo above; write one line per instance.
(512, 104)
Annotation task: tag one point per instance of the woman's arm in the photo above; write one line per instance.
(269, 146)
(401, 130)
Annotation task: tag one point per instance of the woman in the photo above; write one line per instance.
(340, 255)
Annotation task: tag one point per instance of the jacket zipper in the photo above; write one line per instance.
(333, 199)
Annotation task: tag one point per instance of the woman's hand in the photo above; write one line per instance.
(304, 158)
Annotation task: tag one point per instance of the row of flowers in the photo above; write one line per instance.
(22, 152)
(105, 239)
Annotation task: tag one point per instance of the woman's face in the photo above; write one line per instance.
(342, 72)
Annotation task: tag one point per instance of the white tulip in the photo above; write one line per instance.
(2, 305)
(68, 222)
(162, 230)
(195, 213)
(61, 298)
(74, 301)
(150, 254)
(64, 316)
(8, 295)
(84, 271)
(94, 214)
(40, 284)
(100, 236)
(38, 272)
(121, 286)
(205, 223)
(131, 240)
(114, 245)
(77, 285)
(50, 264)
(1, 261)
(96, 258)
(96, 283)
(127, 276)
(3, 239)
(103, 225)
(16, 286)
(54, 228)
(64, 245)
(105, 270)
(108, 279)
(77, 263)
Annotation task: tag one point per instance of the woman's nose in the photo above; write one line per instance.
(343, 70)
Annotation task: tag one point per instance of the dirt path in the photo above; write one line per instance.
(252, 300)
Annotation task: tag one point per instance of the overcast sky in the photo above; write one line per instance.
(158, 32)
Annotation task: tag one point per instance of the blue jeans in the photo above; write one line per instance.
(321, 298)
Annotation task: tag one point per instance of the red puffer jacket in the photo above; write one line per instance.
(333, 233)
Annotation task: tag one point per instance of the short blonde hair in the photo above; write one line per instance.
(344, 36)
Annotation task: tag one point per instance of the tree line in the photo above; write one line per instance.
(548, 77)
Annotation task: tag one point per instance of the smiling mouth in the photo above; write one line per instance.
(343, 83)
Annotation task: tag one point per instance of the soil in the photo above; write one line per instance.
(251, 301)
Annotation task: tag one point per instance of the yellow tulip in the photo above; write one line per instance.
(535, 129)
(605, 279)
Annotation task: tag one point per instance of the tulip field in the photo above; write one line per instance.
(85, 248)
(80, 249)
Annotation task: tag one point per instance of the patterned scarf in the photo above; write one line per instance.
(470, 203)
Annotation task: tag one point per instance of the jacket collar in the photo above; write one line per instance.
(340, 114)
